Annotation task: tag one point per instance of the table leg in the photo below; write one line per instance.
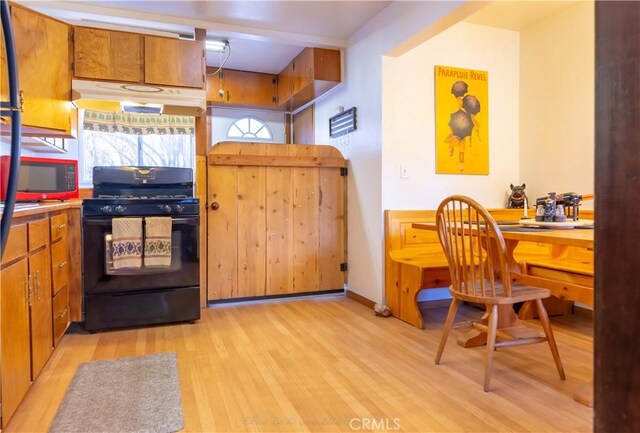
(507, 318)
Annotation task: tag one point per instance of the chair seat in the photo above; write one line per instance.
(519, 293)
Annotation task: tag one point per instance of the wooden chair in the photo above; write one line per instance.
(477, 259)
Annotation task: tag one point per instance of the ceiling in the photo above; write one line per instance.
(517, 15)
(264, 35)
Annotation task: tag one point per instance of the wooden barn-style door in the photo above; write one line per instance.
(276, 219)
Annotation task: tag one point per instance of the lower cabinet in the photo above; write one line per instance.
(16, 345)
(32, 318)
(40, 303)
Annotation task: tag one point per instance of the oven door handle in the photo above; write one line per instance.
(174, 221)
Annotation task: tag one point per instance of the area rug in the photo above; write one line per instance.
(139, 394)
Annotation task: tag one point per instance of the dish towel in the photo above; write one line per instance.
(127, 243)
(157, 242)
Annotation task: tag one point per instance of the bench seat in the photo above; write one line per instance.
(414, 261)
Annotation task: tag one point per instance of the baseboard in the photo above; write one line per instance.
(583, 312)
(359, 298)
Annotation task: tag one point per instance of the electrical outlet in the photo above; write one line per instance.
(404, 172)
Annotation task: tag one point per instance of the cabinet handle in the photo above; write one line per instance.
(215, 205)
(29, 290)
(61, 226)
(62, 314)
(37, 281)
(63, 264)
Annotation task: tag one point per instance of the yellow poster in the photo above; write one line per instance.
(462, 121)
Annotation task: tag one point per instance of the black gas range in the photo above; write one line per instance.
(120, 297)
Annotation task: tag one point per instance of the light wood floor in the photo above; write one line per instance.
(327, 363)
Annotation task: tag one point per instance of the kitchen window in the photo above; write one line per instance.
(249, 127)
(115, 143)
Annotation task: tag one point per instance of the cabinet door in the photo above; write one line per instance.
(107, 55)
(302, 70)
(249, 88)
(60, 314)
(44, 70)
(285, 84)
(16, 357)
(59, 265)
(41, 321)
(174, 62)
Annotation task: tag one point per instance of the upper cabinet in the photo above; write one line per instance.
(313, 72)
(174, 62)
(242, 88)
(107, 55)
(134, 58)
(44, 73)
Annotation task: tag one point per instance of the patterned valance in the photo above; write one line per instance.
(138, 124)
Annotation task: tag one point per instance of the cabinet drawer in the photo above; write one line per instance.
(58, 226)
(16, 243)
(60, 265)
(38, 233)
(60, 314)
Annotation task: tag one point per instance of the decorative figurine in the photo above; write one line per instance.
(518, 197)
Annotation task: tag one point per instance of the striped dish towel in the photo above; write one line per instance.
(127, 243)
(157, 242)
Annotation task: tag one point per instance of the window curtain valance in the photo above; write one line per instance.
(138, 124)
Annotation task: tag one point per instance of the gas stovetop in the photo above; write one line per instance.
(140, 206)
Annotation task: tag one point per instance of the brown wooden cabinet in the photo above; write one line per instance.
(60, 275)
(285, 84)
(310, 74)
(34, 306)
(44, 71)
(27, 340)
(174, 62)
(107, 55)
(40, 310)
(112, 55)
(243, 89)
(277, 225)
(16, 345)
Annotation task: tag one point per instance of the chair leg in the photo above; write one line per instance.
(546, 325)
(447, 327)
(491, 344)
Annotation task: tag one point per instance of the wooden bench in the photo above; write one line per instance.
(414, 261)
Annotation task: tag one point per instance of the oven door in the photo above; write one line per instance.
(101, 277)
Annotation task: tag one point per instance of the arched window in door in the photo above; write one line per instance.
(249, 127)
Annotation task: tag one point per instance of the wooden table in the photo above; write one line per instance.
(567, 290)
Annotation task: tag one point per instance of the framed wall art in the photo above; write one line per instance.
(462, 121)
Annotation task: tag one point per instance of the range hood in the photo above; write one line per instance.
(105, 96)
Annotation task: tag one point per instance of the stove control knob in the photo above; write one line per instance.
(179, 208)
(165, 208)
(106, 209)
(120, 209)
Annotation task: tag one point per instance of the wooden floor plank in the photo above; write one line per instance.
(327, 363)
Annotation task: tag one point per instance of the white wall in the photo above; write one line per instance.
(408, 128)
(408, 125)
(557, 103)
(362, 88)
